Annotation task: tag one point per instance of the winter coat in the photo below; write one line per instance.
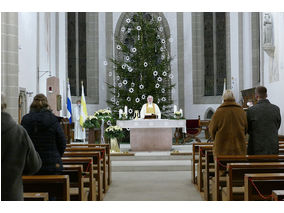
(48, 138)
(264, 120)
(18, 157)
(228, 129)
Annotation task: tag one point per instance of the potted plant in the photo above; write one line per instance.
(91, 123)
(114, 133)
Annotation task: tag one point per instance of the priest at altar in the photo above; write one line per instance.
(150, 108)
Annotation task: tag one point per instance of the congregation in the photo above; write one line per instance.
(39, 142)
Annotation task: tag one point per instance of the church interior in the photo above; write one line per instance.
(136, 94)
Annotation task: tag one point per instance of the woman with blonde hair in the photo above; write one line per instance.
(228, 127)
(46, 133)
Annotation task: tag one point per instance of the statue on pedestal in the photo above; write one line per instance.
(267, 29)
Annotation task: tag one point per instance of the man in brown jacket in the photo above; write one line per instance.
(228, 127)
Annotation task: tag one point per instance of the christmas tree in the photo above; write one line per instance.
(142, 66)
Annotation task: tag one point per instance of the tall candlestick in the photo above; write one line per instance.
(125, 110)
(181, 113)
(175, 108)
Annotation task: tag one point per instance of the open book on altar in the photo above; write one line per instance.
(150, 116)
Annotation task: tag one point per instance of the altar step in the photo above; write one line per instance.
(151, 163)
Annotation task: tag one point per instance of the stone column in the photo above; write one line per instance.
(9, 61)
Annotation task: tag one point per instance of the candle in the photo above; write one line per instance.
(181, 115)
(125, 110)
(175, 108)
(120, 112)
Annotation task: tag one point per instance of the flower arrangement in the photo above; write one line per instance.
(178, 113)
(91, 122)
(105, 114)
(114, 132)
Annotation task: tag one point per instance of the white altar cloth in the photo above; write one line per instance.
(152, 123)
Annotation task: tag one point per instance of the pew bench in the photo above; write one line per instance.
(260, 186)
(36, 196)
(108, 160)
(201, 165)
(234, 189)
(103, 161)
(57, 186)
(194, 162)
(96, 169)
(77, 190)
(278, 195)
(87, 175)
(220, 166)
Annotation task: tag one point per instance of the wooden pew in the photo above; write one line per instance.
(36, 196)
(260, 186)
(278, 195)
(220, 165)
(77, 191)
(104, 169)
(236, 172)
(201, 165)
(281, 137)
(88, 176)
(97, 170)
(208, 173)
(108, 160)
(195, 153)
(57, 186)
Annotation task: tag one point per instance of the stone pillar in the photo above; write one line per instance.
(9, 61)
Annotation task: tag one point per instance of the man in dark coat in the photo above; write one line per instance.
(264, 120)
(47, 135)
(18, 157)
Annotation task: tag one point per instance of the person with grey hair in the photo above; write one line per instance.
(150, 108)
(18, 156)
(264, 120)
(228, 127)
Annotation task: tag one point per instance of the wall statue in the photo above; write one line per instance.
(268, 29)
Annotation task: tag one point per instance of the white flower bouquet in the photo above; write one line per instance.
(114, 132)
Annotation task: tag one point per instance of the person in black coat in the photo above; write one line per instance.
(264, 120)
(18, 157)
(47, 135)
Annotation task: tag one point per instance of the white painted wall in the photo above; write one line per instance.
(275, 89)
(28, 53)
(28, 38)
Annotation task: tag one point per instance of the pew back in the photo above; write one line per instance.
(57, 186)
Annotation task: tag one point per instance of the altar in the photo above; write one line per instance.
(151, 134)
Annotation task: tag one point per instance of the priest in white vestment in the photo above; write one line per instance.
(150, 108)
(79, 131)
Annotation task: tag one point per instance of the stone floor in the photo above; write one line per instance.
(152, 186)
(153, 176)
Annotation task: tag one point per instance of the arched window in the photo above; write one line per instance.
(210, 56)
(82, 47)
(214, 53)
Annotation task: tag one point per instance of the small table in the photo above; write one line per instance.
(151, 134)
